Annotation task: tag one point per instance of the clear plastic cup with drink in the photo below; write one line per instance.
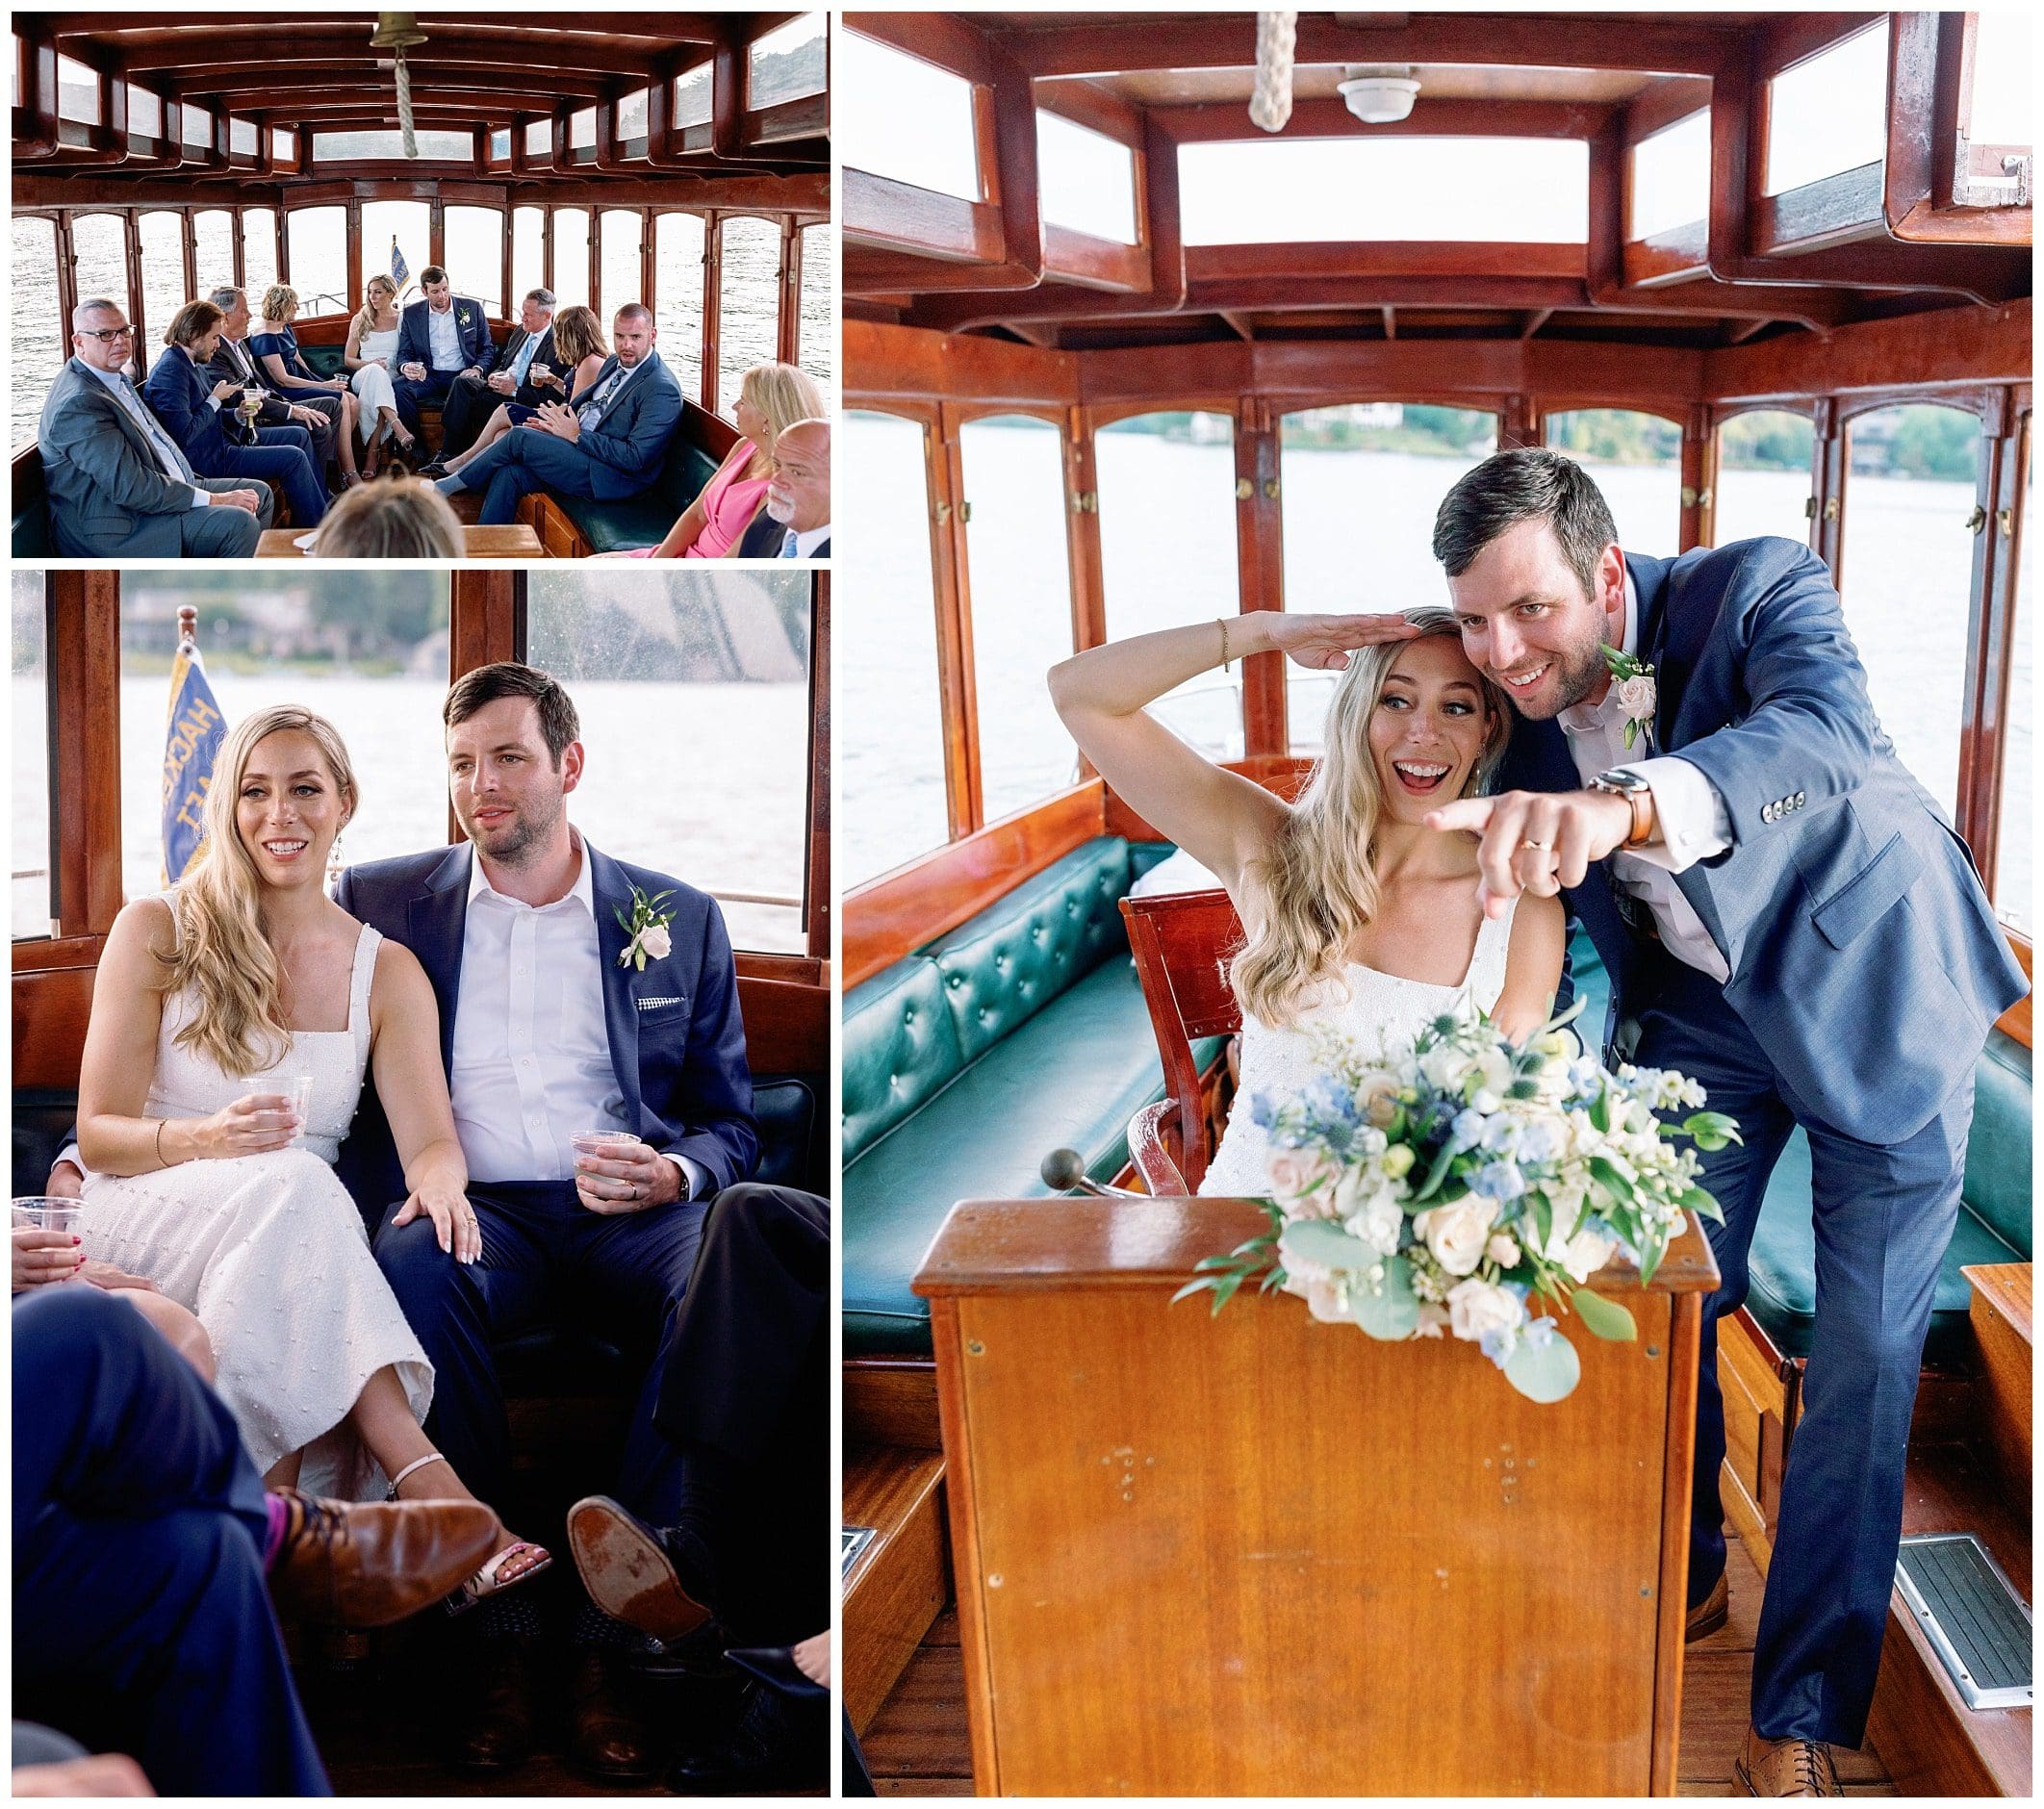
(614, 1146)
(38, 1212)
(299, 1090)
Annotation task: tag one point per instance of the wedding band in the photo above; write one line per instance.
(1543, 846)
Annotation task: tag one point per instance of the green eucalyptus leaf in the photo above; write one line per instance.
(1545, 1372)
(1390, 1310)
(1323, 1243)
(1604, 1318)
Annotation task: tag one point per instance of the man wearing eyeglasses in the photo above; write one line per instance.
(118, 485)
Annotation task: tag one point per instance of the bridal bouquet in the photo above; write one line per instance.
(1459, 1184)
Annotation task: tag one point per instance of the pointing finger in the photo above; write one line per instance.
(1462, 813)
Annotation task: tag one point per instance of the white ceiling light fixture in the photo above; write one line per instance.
(1382, 97)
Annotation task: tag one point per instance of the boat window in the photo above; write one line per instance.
(145, 114)
(1671, 177)
(77, 91)
(728, 654)
(259, 249)
(340, 147)
(163, 275)
(1167, 554)
(621, 228)
(2012, 896)
(692, 97)
(1764, 468)
(317, 239)
(212, 240)
(474, 238)
(678, 305)
(39, 338)
(527, 264)
(1907, 576)
(409, 223)
(100, 265)
(240, 137)
(786, 63)
(367, 654)
(1636, 460)
(20, 54)
(1285, 192)
(1366, 474)
(748, 309)
(1021, 606)
(571, 257)
(1087, 180)
(500, 146)
(581, 129)
(30, 852)
(1998, 80)
(1828, 112)
(818, 343)
(631, 117)
(196, 127)
(891, 801)
(283, 147)
(898, 116)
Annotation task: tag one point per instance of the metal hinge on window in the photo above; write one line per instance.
(1692, 497)
(1086, 502)
(944, 513)
(2010, 189)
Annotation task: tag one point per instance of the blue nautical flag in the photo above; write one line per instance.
(192, 744)
(400, 270)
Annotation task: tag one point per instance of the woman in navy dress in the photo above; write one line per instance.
(275, 349)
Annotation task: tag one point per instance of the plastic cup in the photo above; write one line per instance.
(600, 1143)
(38, 1212)
(301, 1091)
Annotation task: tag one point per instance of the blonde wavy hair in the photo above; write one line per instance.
(1318, 885)
(277, 298)
(222, 952)
(784, 394)
(366, 315)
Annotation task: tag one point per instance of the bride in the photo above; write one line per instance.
(1357, 918)
(371, 345)
(210, 1001)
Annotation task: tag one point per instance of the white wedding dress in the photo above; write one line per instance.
(1381, 1012)
(372, 382)
(269, 1250)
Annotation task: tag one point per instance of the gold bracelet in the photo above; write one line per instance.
(160, 1162)
(1222, 621)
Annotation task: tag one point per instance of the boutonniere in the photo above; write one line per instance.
(466, 318)
(1636, 694)
(648, 931)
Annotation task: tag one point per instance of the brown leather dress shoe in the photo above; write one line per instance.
(608, 1737)
(1786, 1767)
(360, 1563)
(629, 1571)
(504, 1676)
(1708, 1615)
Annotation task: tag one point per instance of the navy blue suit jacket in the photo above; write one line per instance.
(765, 537)
(676, 1037)
(472, 327)
(631, 434)
(1865, 957)
(178, 392)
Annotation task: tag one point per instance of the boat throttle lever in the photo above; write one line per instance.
(1065, 1170)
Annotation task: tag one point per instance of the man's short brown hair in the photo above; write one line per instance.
(510, 679)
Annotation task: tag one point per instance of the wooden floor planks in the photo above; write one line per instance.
(917, 1745)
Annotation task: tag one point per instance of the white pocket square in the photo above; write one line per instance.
(655, 1004)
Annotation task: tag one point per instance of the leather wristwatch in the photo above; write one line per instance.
(1635, 790)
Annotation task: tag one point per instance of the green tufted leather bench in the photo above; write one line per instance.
(1994, 1221)
(643, 521)
(968, 1061)
(32, 510)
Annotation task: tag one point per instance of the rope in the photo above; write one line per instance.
(404, 105)
(1276, 36)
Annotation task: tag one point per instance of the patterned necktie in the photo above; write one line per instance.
(592, 411)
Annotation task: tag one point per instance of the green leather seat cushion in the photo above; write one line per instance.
(643, 521)
(900, 1050)
(1072, 1076)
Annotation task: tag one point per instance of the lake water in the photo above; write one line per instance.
(705, 781)
(1357, 528)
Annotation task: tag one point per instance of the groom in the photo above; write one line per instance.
(546, 1030)
(1787, 918)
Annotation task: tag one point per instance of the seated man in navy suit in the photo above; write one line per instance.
(531, 342)
(443, 353)
(795, 522)
(200, 414)
(555, 1019)
(607, 443)
(1786, 918)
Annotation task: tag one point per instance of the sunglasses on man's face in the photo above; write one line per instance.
(106, 331)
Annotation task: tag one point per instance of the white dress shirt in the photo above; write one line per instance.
(175, 465)
(444, 339)
(531, 1063)
(802, 543)
(604, 393)
(1691, 820)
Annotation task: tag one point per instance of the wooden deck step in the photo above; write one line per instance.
(2001, 1322)
(897, 1586)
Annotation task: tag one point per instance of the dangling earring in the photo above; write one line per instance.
(334, 865)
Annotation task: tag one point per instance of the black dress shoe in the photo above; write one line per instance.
(608, 1737)
(779, 1745)
(497, 1731)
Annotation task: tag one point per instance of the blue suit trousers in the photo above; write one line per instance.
(546, 1259)
(1884, 1215)
(282, 458)
(143, 1621)
(522, 461)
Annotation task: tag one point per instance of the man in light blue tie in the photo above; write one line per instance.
(118, 485)
(795, 522)
(605, 444)
(531, 345)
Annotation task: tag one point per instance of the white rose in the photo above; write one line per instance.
(1503, 1249)
(1475, 1307)
(1377, 1096)
(1582, 1253)
(1375, 1221)
(1295, 1175)
(656, 942)
(1446, 1067)
(1636, 698)
(1456, 1234)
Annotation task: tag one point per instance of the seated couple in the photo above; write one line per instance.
(492, 995)
(1479, 777)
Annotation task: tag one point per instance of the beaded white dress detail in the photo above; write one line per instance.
(1379, 1012)
(270, 1251)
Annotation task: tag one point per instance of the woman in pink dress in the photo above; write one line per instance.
(771, 397)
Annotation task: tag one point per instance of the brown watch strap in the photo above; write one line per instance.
(1642, 802)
